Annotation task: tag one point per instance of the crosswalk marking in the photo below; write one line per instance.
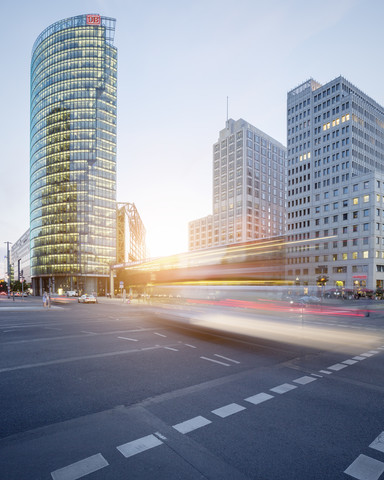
(140, 445)
(81, 468)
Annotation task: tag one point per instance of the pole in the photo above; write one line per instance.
(9, 270)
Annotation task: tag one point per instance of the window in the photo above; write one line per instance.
(366, 198)
(355, 201)
(345, 229)
(345, 216)
(354, 255)
(365, 254)
(355, 187)
(365, 227)
(366, 212)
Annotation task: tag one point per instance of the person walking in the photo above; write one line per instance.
(45, 299)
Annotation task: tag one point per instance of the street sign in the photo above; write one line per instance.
(121, 284)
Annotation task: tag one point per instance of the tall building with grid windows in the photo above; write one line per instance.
(335, 187)
(249, 189)
(73, 155)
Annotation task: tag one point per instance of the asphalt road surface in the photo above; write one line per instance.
(136, 391)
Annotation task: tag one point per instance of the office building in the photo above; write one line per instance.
(335, 187)
(73, 155)
(249, 189)
(20, 258)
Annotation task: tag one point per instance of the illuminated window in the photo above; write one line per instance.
(366, 198)
(345, 256)
(354, 255)
(355, 201)
(365, 254)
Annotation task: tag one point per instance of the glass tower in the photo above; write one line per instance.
(73, 155)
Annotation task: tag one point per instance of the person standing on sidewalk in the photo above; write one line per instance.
(45, 299)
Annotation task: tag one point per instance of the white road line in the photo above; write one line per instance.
(350, 362)
(259, 398)
(285, 387)
(228, 410)
(365, 468)
(215, 361)
(226, 358)
(81, 468)
(131, 339)
(89, 333)
(190, 346)
(170, 348)
(315, 375)
(358, 357)
(367, 354)
(337, 367)
(140, 445)
(304, 380)
(378, 443)
(325, 371)
(192, 424)
(160, 334)
(374, 351)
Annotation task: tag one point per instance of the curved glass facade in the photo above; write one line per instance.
(73, 154)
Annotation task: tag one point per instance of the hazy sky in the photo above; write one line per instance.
(177, 63)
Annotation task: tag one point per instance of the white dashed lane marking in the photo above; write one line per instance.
(365, 468)
(215, 361)
(127, 338)
(378, 443)
(325, 371)
(228, 410)
(337, 367)
(284, 388)
(170, 348)
(259, 398)
(140, 445)
(226, 358)
(190, 346)
(304, 380)
(358, 357)
(160, 334)
(81, 468)
(192, 424)
(349, 362)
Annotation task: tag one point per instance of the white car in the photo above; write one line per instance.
(87, 299)
(71, 293)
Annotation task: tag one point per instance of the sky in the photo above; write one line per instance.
(178, 62)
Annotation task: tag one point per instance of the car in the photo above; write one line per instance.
(309, 299)
(3, 293)
(86, 298)
(71, 293)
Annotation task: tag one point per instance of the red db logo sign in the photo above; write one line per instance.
(93, 20)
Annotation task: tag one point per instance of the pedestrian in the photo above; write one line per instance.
(45, 299)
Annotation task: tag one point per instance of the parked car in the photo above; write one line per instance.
(86, 298)
(71, 293)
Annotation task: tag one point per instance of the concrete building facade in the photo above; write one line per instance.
(20, 258)
(249, 189)
(335, 204)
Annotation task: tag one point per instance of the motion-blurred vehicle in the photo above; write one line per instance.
(71, 293)
(86, 298)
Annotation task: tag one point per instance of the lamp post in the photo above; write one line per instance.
(8, 270)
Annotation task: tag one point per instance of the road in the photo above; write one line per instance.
(117, 391)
